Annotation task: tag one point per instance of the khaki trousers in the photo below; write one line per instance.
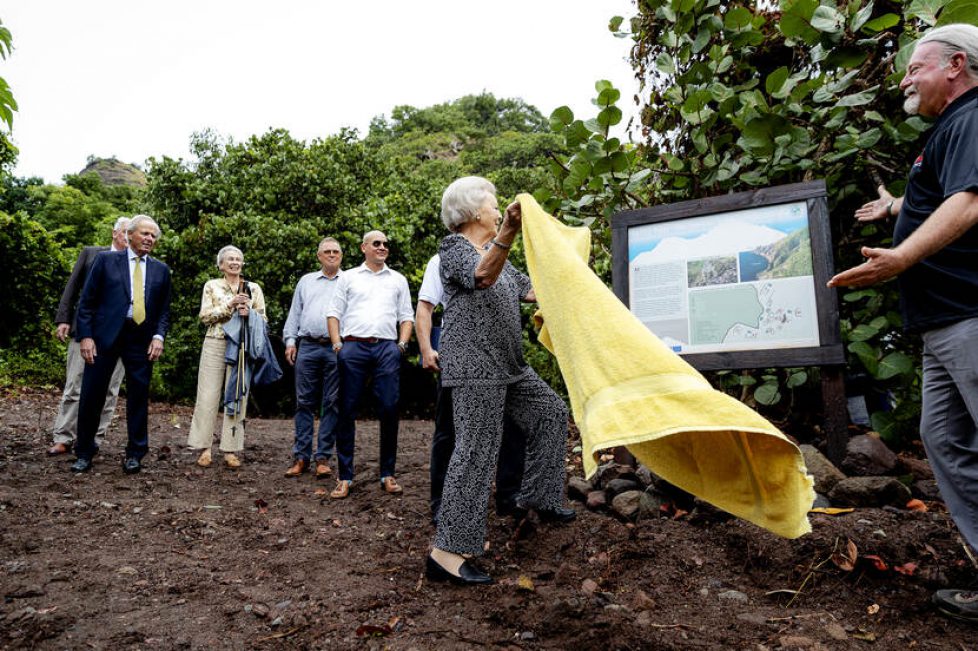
(66, 422)
(211, 378)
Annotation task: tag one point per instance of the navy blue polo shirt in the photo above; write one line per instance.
(943, 288)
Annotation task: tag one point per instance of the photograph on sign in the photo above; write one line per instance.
(740, 280)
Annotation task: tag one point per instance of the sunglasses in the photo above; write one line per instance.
(379, 245)
(331, 251)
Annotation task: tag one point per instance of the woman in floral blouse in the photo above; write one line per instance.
(222, 296)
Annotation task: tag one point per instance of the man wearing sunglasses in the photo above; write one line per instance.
(370, 321)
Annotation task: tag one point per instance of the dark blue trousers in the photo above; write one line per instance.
(509, 468)
(359, 361)
(316, 391)
(131, 347)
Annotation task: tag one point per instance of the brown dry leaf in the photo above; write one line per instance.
(872, 609)
(394, 623)
(525, 584)
(828, 510)
(917, 505)
(262, 505)
(877, 562)
(846, 560)
(373, 630)
(864, 635)
(907, 569)
(320, 491)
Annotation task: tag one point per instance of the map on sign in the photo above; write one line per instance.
(739, 280)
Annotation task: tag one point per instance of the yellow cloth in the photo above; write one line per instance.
(628, 388)
(138, 300)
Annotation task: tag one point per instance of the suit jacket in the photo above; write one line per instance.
(106, 297)
(69, 297)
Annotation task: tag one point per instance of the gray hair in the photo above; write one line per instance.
(954, 38)
(462, 199)
(139, 219)
(330, 239)
(230, 248)
(122, 222)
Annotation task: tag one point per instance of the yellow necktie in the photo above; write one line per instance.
(138, 302)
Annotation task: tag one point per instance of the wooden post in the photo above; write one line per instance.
(836, 412)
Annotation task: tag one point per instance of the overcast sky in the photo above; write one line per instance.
(135, 79)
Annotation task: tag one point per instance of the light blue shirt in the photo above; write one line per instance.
(307, 316)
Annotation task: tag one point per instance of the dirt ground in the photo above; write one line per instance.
(191, 558)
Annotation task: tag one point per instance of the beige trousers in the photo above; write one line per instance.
(66, 422)
(211, 378)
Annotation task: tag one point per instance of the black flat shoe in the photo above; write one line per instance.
(469, 574)
(81, 465)
(131, 466)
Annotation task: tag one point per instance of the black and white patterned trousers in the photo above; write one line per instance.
(478, 414)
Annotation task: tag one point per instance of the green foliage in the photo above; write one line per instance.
(739, 96)
(7, 102)
(33, 267)
(74, 218)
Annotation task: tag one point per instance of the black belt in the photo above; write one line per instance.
(322, 341)
(365, 340)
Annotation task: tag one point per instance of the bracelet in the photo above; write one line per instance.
(889, 208)
(500, 244)
(402, 345)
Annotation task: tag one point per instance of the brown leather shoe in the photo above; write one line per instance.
(390, 485)
(58, 448)
(231, 460)
(297, 468)
(342, 489)
(323, 469)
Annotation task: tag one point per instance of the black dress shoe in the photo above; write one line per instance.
(131, 466)
(560, 515)
(469, 574)
(81, 465)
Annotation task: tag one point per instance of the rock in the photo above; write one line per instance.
(610, 471)
(621, 485)
(925, 489)
(651, 503)
(734, 595)
(799, 642)
(597, 500)
(824, 472)
(836, 631)
(867, 455)
(643, 601)
(578, 488)
(821, 502)
(589, 586)
(260, 610)
(754, 618)
(919, 468)
(870, 491)
(627, 504)
(645, 476)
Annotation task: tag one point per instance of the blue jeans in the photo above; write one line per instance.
(359, 361)
(316, 390)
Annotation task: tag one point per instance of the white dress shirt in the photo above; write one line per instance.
(371, 304)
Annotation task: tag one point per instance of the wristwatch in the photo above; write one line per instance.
(402, 345)
(337, 346)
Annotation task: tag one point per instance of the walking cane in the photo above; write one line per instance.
(239, 385)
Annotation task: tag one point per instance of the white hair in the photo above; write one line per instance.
(139, 219)
(230, 248)
(122, 222)
(461, 201)
(954, 38)
(369, 235)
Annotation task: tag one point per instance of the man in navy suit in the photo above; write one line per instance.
(123, 313)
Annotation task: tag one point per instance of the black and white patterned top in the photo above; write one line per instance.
(482, 343)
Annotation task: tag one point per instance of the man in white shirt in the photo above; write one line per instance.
(509, 468)
(307, 347)
(370, 322)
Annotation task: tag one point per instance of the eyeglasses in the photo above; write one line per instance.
(379, 245)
